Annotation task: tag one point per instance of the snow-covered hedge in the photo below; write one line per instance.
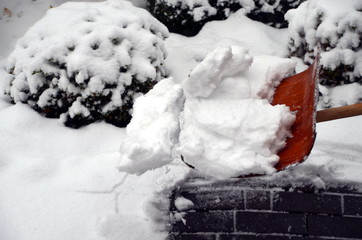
(337, 26)
(272, 12)
(86, 62)
(188, 17)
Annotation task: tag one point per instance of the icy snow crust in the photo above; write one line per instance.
(85, 50)
(228, 126)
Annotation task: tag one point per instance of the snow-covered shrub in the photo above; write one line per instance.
(272, 12)
(188, 17)
(335, 25)
(86, 62)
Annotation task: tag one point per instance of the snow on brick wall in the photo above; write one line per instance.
(255, 208)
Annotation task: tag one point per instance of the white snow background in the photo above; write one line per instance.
(60, 183)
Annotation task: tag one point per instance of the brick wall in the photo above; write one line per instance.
(257, 208)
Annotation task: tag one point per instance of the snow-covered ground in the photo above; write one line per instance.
(61, 183)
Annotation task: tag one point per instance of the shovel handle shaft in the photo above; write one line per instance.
(339, 112)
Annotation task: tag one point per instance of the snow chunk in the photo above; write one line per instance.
(182, 203)
(154, 129)
(235, 130)
(216, 66)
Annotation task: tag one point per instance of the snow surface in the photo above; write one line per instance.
(60, 183)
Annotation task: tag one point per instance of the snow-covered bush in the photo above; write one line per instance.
(335, 25)
(272, 12)
(188, 17)
(86, 62)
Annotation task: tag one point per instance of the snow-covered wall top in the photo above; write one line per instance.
(89, 61)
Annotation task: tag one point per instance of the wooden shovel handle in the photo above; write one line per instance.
(339, 112)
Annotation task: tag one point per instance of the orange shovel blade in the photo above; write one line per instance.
(299, 93)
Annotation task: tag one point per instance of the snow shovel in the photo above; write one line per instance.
(299, 92)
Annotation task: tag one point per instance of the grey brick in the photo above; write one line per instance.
(192, 236)
(335, 226)
(216, 200)
(307, 202)
(258, 199)
(270, 222)
(205, 222)
(353, 205)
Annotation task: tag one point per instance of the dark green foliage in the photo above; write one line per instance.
(273, 18)
(180, 18)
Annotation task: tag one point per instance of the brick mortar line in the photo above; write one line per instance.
(352, 216)
(217, 235)
(244, 196)
(264, 234)
(332, 237)
(306, 217)
(343, 194)
(234, 211)
(342, 204)
(234, 221)
(239, 233)
(216, 189)
(338, 238)
(254, 211)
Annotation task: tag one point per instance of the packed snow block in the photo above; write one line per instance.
(86, 62)
(307, 202)
(206, 222)
(188, 17)
(292, 223)
(335, 226)
(353, 205)
(274, 208)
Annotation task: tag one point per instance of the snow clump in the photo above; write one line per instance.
(154, 129)
(335, 25)
(86, 62)
(223, 124)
